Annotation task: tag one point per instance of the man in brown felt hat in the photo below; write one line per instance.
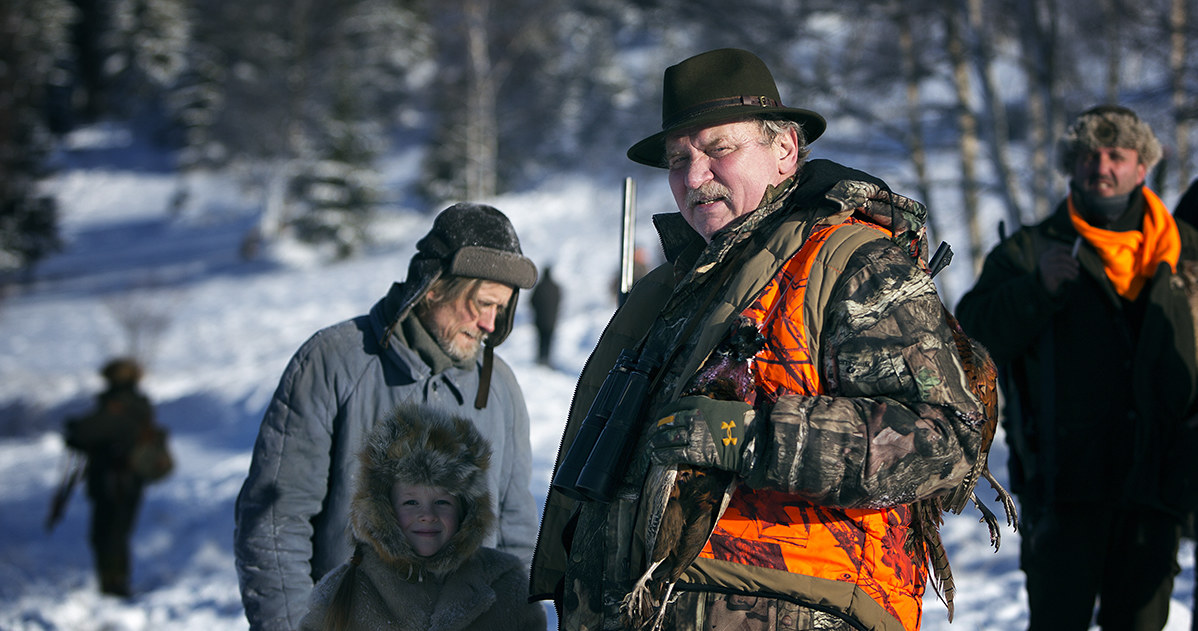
(1090, 314)
(430, 340)
(802, 392)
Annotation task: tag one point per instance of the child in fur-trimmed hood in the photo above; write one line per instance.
(423, 477)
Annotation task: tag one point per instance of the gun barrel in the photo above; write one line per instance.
(628, 238)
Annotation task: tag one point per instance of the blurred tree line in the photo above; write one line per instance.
(961, 100)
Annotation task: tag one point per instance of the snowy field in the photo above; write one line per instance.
(226, 328)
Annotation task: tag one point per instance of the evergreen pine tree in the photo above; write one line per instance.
(34, 39)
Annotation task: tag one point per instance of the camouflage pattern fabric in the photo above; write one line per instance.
(896, 391)
(896, 400)
(698, 611)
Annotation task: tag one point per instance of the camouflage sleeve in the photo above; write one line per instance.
(898, 422)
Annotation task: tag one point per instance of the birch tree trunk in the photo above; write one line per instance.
(1182, 109)
(911, 80)
(1038, 18)
(995, 112)
(1114, 52)
(968, 129)
(482, 132)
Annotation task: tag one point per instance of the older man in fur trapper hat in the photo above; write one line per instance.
(430, 340)
(1089, 312)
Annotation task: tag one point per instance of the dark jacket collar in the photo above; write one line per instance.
(1060, 226)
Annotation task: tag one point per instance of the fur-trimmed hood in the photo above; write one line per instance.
(422, 445)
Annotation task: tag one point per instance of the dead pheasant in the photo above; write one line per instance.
(684, 502)
(687, 509)
(983, 380)
(927, 514)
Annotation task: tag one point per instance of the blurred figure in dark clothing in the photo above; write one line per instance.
(546, 303)
(1187, 210)
(106, 437)
(1187, 207)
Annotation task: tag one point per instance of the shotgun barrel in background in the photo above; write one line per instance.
(72, 473)
(627, 239)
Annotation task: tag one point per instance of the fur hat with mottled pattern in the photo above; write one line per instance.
(426, 446)
(1108, 126)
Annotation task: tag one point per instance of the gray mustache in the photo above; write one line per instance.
(706, 193)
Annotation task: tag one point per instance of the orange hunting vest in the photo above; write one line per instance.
(763, 528)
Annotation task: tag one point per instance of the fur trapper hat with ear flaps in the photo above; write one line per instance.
(1108, 126)
(716, 87)
(426, 446)
(473, 241)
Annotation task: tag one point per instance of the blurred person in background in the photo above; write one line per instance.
(1187, 207)
(546, 302)
(108, 437)
(1187, 210)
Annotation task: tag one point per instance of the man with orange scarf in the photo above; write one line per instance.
(1087, 314)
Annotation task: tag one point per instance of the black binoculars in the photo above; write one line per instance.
(596, 459)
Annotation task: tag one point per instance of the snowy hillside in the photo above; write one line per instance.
(227, 328)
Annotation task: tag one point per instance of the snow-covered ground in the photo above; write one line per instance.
(227, 327)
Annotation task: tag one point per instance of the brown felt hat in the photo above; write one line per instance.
(715, 87)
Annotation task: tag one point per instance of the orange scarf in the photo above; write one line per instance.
(1131, 258)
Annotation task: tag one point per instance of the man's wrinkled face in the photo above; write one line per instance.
(720, 173)
(1109, 171)
(461, 325)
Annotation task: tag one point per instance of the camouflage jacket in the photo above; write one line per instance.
(898, 413)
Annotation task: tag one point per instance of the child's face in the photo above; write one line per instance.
(428, 516)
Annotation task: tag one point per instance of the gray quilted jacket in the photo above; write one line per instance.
(292, 513)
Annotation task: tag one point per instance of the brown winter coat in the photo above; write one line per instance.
(461, 587)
